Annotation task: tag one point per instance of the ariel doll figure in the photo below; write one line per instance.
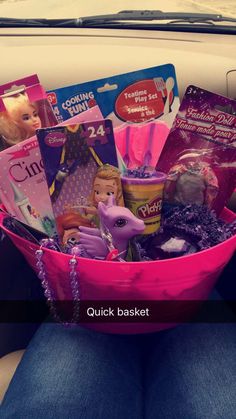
(19, 120)
(106, 182)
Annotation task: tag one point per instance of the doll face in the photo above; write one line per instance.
(29, 120)
(103, 188)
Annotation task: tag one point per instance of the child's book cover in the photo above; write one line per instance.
(23, 186)
(81, 167)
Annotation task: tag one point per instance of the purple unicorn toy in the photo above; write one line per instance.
(117, 226)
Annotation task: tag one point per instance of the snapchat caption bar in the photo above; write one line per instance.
(118, 312)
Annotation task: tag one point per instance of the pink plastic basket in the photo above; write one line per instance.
(189, 277)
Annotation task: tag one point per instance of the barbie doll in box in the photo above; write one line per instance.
(19, 121)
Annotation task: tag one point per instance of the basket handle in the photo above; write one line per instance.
(49, 293)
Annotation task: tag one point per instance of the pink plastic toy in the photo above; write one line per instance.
(141, 144)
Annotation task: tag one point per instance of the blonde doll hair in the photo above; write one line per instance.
(110, 172)
(10, 131)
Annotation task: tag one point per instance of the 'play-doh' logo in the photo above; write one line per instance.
(150, 209)
(55, 139)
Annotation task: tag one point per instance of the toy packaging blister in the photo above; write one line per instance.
(133, 98)
(131, 101)
(23, 186)
(24, 107)
(141, 145)
(199, 155)
(81, 168)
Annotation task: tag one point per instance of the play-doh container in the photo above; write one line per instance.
(143, 196)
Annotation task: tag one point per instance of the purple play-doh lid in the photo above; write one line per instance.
(157, 177)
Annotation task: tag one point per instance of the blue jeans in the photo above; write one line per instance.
(188, 372)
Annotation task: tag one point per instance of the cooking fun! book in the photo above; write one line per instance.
(81, 168)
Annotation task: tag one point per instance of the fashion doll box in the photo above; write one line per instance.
(24, 107)
(199, 155)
